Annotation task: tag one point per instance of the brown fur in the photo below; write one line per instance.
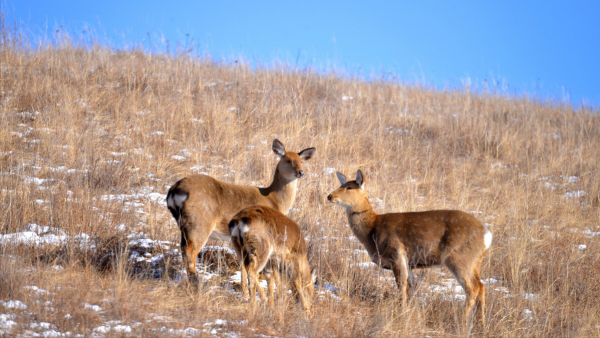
(264, 238)
(210, 204)
(402, 241)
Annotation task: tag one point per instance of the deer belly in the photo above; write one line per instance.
(215, 235)
(381, 261)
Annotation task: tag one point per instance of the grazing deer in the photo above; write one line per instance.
(203, 206)
(402, 241)
(265, 239)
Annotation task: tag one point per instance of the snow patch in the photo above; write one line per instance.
(575, 194)
(14, 305)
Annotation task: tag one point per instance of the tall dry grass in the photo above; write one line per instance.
(114, 119)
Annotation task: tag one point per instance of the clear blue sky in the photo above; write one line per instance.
(544, 48)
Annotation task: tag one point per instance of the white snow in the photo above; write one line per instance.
(364, 265)
(575, 194)
(102, 329)
(32, 238)
(216, 322)
(37, 181)
(36, 290)
(6, 322)
(91, 307)
(122, 328)
(237, 278)
(589, 233)
(329, 171)
(491, 281)
(14, 305)
(52, 334)
(397, 131)
(573, 179)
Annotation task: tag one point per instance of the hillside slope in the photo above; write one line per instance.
(91, 140)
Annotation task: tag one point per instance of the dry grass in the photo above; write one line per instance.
(114, 120)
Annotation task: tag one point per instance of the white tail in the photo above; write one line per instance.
(266, 240)
(203, 206)
(402, 241)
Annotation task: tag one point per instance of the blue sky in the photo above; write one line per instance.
(547, 49)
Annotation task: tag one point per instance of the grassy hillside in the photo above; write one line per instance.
(91, 140)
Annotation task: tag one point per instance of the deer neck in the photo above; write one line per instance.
(282, 191)
(361, 219)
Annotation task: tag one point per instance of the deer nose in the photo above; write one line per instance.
(300, 173)
(329, 198)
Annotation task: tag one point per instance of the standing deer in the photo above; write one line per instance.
(264, 238)
(203, 206)
(402, 241)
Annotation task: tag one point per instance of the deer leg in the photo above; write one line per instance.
(480, 301)
(259, 263)
(189, 251)
(252, 279)
(193, 237)
(300, 293)
(465, 278)
(277, 280)
(270, 281)
(411, 279)
(244, 280)
(400, 269)
(299, 287)
(239, 250)
(261, 292)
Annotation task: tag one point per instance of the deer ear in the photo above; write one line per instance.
(307, 153)
(360, 180)
(313, 276)
(278, 148)
(341, 177)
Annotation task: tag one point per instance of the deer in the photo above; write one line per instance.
(427, 239)
(267, 240)
(203, 206)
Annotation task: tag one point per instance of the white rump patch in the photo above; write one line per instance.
(244, 228)
(240, 230)
(176, 201)
(235, 232)
(487, 239)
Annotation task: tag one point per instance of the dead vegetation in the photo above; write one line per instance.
(92, 138)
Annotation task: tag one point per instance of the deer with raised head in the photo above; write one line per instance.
(203, 206)
(403, 241)
(266, 240)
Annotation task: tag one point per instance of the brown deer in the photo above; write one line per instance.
(203, 206)
(402, 241)
(266, 240)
